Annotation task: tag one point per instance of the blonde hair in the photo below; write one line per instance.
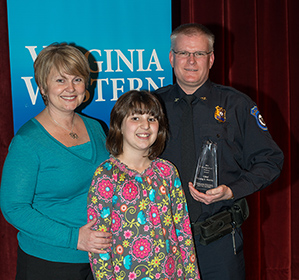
(190, 29)
(65, 59)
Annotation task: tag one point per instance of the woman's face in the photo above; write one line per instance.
(65, 92)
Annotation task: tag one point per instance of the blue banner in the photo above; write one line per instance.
(127, 44)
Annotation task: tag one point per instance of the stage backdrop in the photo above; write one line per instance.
(126, 42)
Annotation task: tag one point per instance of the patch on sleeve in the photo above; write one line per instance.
(259, 119)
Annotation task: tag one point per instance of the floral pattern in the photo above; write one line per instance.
(130, 191)
(148, 217)
(141, 248)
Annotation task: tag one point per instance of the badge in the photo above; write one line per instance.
(220, 114)
(259, 119)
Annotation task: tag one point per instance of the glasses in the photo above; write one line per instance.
(186, 54)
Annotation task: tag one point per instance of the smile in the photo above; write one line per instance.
(143, 135)
(68, 97)
(192, 70)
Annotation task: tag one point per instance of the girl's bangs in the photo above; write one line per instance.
(140, 107)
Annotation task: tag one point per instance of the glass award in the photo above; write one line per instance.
(206, 171)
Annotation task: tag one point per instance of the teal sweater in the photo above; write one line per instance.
(44, 190)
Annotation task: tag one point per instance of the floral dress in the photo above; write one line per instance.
(148, 217)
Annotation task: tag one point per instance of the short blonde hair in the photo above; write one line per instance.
(190, 29)
(65, 59)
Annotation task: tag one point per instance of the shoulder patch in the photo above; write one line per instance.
(259, 119)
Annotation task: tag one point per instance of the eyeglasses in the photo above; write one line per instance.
(185, 54)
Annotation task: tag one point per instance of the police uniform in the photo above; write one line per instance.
(248, 161)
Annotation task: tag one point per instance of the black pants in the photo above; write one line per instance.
(32, 268)
(218, 261)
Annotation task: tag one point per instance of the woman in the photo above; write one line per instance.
(47, 173)
(139, 198)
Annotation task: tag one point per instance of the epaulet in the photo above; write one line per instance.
(227, 88)
(163, 89)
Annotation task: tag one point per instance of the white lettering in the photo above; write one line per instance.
(131, 82)
(116, 89)
(120, 57)
(140, 60)
(98, 63)
(157, 62)
(29, 86)
(32, 52)
(99, 87)
(125, 60)
(151, 83)
(109, 60)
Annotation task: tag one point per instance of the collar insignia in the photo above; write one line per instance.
(220, 114)
(176, 99)
(203, 98)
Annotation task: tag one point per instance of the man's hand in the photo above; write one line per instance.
(222, 192)
(93, 241)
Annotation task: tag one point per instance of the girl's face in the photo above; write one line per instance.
(139, 133)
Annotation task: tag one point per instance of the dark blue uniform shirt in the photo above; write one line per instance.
(248, 158)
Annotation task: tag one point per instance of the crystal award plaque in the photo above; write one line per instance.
(206, 171)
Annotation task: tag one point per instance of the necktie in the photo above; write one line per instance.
(188, 156)
(188, 145)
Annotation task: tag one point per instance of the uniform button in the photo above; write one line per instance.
(218, 135)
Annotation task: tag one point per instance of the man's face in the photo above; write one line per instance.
(191, 73)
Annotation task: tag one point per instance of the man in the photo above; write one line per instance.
(248, 159)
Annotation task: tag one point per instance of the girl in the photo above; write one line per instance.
(139, 198)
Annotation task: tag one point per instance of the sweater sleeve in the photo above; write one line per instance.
(99, 206)
(17, 194)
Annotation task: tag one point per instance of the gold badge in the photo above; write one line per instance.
(220, 114)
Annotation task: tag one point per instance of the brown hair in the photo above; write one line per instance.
(65, 58)
(132, 102)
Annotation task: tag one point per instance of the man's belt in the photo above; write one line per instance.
(221, 223)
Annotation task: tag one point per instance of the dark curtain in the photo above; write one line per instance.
(256, 52)
(8, 237)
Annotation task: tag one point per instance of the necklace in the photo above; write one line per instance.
(74, 135)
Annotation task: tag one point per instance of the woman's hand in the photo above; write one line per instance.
(222, 192)
(93, 241)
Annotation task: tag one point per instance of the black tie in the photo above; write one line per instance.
(188, 154)
(188, 145)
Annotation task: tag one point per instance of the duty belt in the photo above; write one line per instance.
(221, 223)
